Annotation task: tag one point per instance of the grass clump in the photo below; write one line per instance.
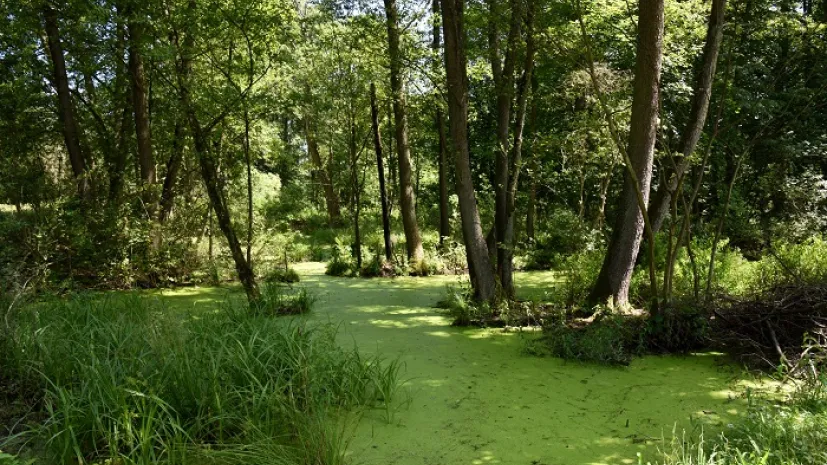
(278, 299)
(792, 431)
(124, 381)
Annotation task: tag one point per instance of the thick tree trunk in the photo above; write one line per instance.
(140, 103)
(482, 277)
(616, 273)
(66, 113)
(331, 199)
(377, 144)
(407, 198)
(444, 212)
(701, 95)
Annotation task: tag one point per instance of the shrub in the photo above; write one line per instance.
(278, 299)
(282, 275)
(610, 339)
(341, 261)
(461, 307)
(123, 381)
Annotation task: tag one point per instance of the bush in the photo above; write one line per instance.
(341, 261)
(462, 309)
(124, 381)
(563, 236)
(278, 299)
(282, 275)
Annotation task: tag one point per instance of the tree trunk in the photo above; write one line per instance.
(248, 162)
(504, 88)
(444, 212)
(407, 198)
(334, 214)
(173, 167)
(701, 96)
(140, 103)
(505, 261)
(377, 144)
(616, 273)
(66, 111)
(209, 174)
(117, 160)
(482, 277)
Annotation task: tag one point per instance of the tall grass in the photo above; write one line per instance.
(127, 382)
(789, 432)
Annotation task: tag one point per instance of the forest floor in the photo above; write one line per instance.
(472, 397)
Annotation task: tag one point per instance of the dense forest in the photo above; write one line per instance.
(204, 203)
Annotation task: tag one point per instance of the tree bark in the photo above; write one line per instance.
(407, 198)
(444, 212)
(66, 111)
(505, 262)
(701, 97)
(616, 273)
(479, 266)
(504, 89)
(377, 144)
(140, 103)
(334, 214)
(209, 174)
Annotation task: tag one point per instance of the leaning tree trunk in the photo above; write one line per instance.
(444, 212)
(482, 277)
(407, 198)
(383, 195)
(701, 95)
(66, 111)
(209, 174)
(616, 273)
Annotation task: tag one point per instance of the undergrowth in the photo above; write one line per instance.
(792, 431)
(124, 381)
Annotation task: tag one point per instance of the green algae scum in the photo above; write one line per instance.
(470, 396)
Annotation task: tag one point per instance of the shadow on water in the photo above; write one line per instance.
(471, 396)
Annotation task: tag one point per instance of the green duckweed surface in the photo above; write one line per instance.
(472, 397)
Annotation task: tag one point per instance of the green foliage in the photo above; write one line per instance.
(279, 274)
(610, 339)
(462, 309)
(790, 432)
(278, 299)
(125, 381)
(562, 236)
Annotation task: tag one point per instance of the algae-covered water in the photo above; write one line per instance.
(472, 397)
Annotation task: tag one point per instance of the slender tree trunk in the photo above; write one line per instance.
(482, 277)
(140, 103)
(117, 160)
(249, 163)
(173, 167)
(506, 263)
(66, 111)
(407, 198)
(209, 174)
(356, 188)
(504, 87)
(334, 214)
(444, 212)
(701, 95)
(616, 273)
(377, 144)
